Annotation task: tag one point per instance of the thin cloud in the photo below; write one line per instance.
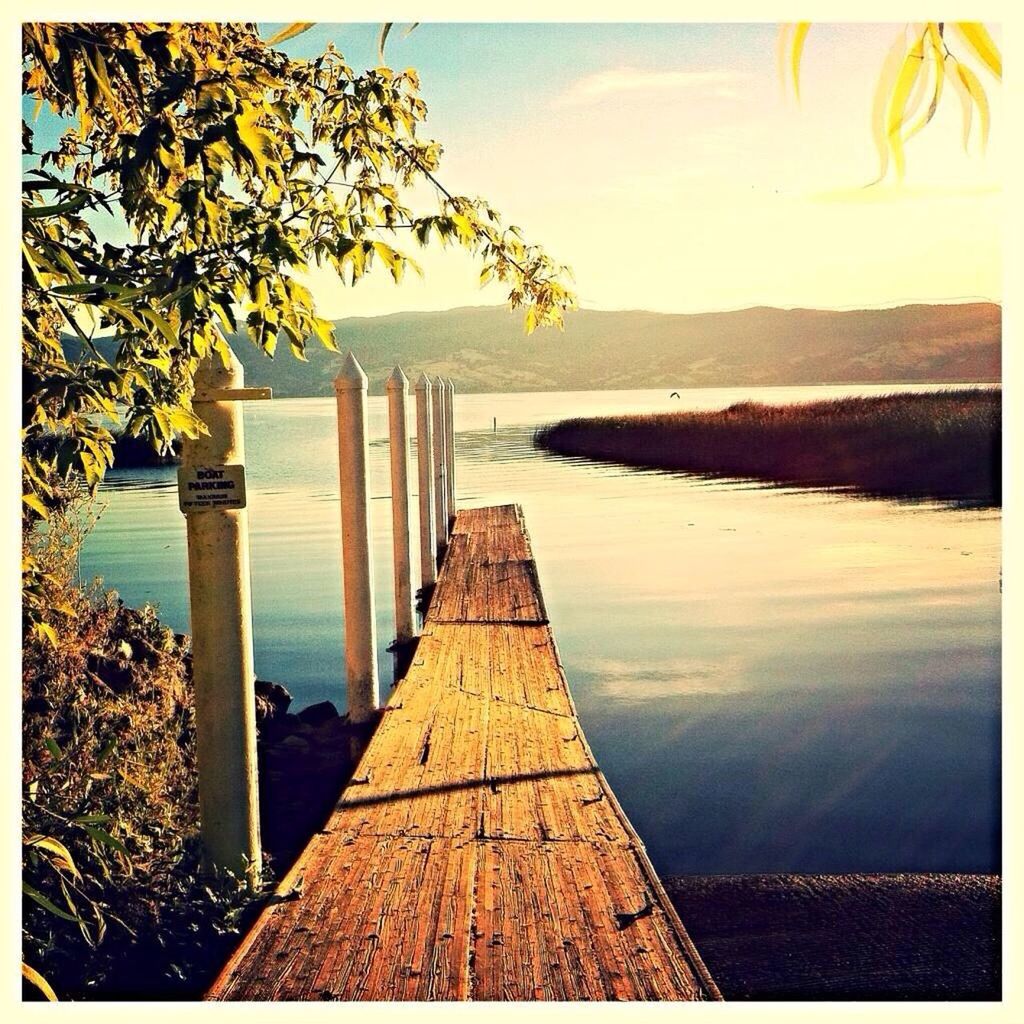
(639, 681)
(616, 81)
(889, 192)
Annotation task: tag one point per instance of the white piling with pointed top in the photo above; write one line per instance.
(440, 469)
(450, 400)
(357, 555)
(425, 466)
(220, 608)
(397, 387)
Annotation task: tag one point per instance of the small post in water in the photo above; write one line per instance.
(450, 399)
(425, 466)
(357, 561)
(211, 494)
(440, 443)
(398, 393)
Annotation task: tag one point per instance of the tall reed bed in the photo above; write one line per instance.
(942, 444)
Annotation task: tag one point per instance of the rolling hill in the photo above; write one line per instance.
(483, 348)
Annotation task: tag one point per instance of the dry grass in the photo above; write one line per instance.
(944, 444)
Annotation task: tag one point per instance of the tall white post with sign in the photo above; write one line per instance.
(440, 486)
(398, 394)
(425, 466)
(211, 493)
(357, 557)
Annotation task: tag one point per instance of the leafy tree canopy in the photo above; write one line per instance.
(230, 167)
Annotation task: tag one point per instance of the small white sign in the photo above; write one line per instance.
(201, 488)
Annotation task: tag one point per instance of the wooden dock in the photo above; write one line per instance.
(478, 852)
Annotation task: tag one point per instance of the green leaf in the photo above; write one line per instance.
(56, 209)
(160, 324)
(162, 363)
(104, 837)
(45, 903)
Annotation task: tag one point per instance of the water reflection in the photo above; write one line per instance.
(772, 678)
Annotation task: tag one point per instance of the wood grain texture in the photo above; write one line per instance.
(478, 852)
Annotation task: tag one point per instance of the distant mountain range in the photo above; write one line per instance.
(483, 348)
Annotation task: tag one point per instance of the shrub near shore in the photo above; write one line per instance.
(115, 902)
(942, 444)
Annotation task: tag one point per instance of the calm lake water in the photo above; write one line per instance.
(772, 679)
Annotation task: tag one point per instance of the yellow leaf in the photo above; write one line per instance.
(938, 58)
(781, 49)
(886, 81)
(58, 849)
(34, 503)
(392, 258)
(799, 35)
(31, 975)
(970, 80)
(464, 228)
(294, 29)
(908, 76)
(531, 320)
(966, 103)
(45, 632)
(920, 90)
(258, 141)
(977, 38)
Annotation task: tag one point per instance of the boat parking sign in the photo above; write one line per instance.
(202, 488)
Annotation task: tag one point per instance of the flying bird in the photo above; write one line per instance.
(675, 394)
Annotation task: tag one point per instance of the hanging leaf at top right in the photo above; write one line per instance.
(918, 66)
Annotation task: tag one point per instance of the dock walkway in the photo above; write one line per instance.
(478, 852)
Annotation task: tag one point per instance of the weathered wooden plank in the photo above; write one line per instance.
(478, 852)
(489, 574)
(556, 920)
(513, 666)
(386, 918)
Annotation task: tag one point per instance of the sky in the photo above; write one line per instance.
(670, 168)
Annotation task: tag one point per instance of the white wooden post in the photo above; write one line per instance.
(357, 557)
(440, 444)
(211, 493)
(425, 465)
(450, 398)
(398, 393)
